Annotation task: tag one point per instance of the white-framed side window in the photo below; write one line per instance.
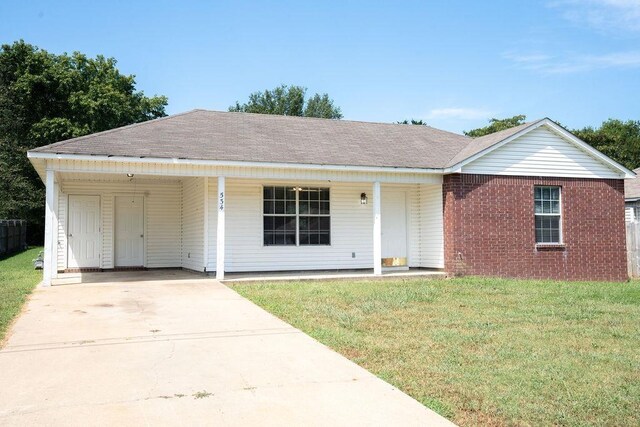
(548, 214)
(296, 216)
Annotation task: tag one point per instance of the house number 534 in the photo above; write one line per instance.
(221, 201)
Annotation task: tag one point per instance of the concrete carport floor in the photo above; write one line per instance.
(180, 349)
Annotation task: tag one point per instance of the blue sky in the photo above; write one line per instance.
(453, 63)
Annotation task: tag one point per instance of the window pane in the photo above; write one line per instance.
(304, 238)
(555, 193)
(546, 193)
(268, 223)
(290, 238)
(547, 229)
(324, 223)
(290, 224)
(291, 207)
(279, 204)
(314, 208)
(304, 207)
(324, 194)
(268, 239)
(268, 207)
(537, 193)
(267, 193)
(314, 194)
(304, 223)
(324, 239)
(278, 223)
(279, 191)
(324, 208)
(538, 206)
(291, 193)
(555, 207)
(313, 239)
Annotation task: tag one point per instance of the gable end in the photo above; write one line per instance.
(543, 151)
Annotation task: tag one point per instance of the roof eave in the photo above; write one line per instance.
(34, 155)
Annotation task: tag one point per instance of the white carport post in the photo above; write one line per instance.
(377, 230)
(50, 241)
(220, 231)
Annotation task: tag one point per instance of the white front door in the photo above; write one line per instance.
(129, 231)
(84, 232)
(394, 223)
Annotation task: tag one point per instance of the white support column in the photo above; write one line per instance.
(205, 225)
(49, 227)
(377, 230)
(221, 229)
(55, 222)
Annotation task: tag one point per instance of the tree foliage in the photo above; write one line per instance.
(45, 98)
(289, 101)
(496, 125)
(418, 122)
(617, 139)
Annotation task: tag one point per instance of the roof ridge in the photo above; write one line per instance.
(285, 117)
(120, 128)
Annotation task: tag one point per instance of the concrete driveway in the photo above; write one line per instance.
(179, 349)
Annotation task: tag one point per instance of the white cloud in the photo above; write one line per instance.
(573, 63)
(612, 16)
(458, 113)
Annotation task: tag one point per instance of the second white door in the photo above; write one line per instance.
(129, 231)
(394, 224)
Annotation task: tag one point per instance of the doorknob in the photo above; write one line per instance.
(142, 235)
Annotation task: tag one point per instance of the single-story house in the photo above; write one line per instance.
(632, 198)
(235, 192)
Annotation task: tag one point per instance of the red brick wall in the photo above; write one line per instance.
(489, 228)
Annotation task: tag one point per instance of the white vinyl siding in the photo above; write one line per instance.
(193, 223)
(631, 210)
(62, 231)
(162, 217)
(108, 234)
(431, 219)
(351, 229)
(541, 152)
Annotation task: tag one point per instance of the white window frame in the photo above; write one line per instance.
(297, 215)
(559, 215)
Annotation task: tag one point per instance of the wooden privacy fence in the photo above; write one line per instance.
(633, 248)
(13, 235)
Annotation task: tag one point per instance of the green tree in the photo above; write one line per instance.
(45, 98)
(496, 125)
(289, 101)
(418, 122)
(617, 139)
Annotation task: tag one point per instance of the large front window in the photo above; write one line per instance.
(548, 214)
(296, 216)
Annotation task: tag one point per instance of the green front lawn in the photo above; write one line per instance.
(482, 351)
(17, 280)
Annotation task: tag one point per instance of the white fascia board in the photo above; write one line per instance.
(626, 173)
(175, 161)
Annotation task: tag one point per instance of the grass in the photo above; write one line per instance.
(17, 280)
(482, 351)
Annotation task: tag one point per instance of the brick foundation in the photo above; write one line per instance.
(489, 228)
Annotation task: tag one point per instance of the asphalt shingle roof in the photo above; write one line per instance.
(632, 186)
(213, 135)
